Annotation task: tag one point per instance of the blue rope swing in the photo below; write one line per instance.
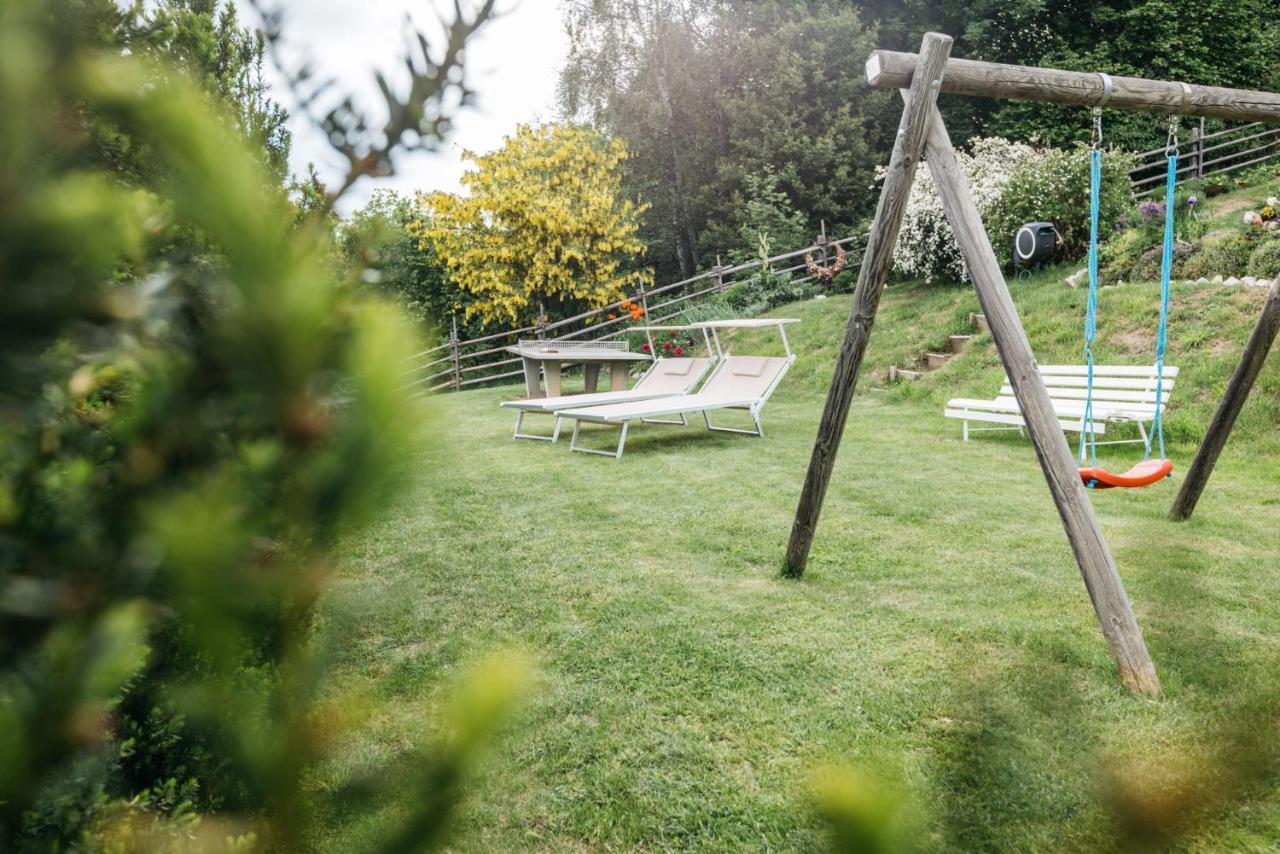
(1088, 434)
(1162, 335)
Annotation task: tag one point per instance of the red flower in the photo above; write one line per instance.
(666, 345)
(679, 351)
(645, 348)
(673, 333)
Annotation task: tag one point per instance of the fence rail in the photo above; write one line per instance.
(449, 366)
(457, 363)
(1206, 154)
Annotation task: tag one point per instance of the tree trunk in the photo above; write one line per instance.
(686, 237)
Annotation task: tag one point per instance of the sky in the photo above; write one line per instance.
(513, 64)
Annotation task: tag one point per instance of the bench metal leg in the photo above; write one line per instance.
(966, 430)
(520, 421)
(617, 455)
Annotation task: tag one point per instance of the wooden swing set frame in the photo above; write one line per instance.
(922, 135)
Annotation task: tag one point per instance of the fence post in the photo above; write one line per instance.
(1197, 147)
(644, 306)
(822, 243)
(541, 325)
(453, 352)
(719, 271)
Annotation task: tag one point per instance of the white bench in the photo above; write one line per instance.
(1120, 393)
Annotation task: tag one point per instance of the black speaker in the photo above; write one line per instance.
(1034, 244)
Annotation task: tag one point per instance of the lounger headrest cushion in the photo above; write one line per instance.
(676, 367)
(748, 366)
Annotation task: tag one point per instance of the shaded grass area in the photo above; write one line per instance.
(687, 692)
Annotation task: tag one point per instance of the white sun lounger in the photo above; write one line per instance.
(665, 378)
(738, 382)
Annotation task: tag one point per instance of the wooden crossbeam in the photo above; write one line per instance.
(893, 70)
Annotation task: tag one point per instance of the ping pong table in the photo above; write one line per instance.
(545, 359)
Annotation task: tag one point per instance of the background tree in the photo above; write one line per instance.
(752, 87)
(204, 40)
(769, 225)
(789, 114)
(1213, 42)
(544, 223)
(381, 239)
(201, 40)
(747, 85)
(655, 49)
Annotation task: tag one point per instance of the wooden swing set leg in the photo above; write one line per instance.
(1097, 566)
(1215, 438)
(934, 52)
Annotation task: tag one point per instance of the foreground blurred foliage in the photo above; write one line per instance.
(1174, 795)
(193, 406)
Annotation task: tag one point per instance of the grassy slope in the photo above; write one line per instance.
(1227, 211)
(687, 692)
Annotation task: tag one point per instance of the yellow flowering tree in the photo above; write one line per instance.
(544, 220)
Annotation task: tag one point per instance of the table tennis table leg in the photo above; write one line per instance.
(532, 379)
(618, 376)
(552, 372)
(591, 376)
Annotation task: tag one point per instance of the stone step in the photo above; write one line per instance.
(979, 322)
(901, 374)
(936, 360)
(957, 342)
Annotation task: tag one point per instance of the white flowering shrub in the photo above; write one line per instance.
(1013, 183)
(927, 246)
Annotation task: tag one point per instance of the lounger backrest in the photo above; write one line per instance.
(672, 376)
(745, 377)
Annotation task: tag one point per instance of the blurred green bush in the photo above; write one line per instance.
(194, 405)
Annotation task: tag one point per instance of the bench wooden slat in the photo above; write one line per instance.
(1099, 394)
(1106, 371)
(1102, 411)
(1126, 409)
(1104, 382)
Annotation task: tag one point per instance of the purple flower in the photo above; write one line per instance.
(1192, 201)
(1151, 210)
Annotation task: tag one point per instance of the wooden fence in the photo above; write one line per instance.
(457, 364)
(1207, 154)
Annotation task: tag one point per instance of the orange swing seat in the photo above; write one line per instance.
(1144, 473)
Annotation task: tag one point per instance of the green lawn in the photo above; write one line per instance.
(942, 636)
